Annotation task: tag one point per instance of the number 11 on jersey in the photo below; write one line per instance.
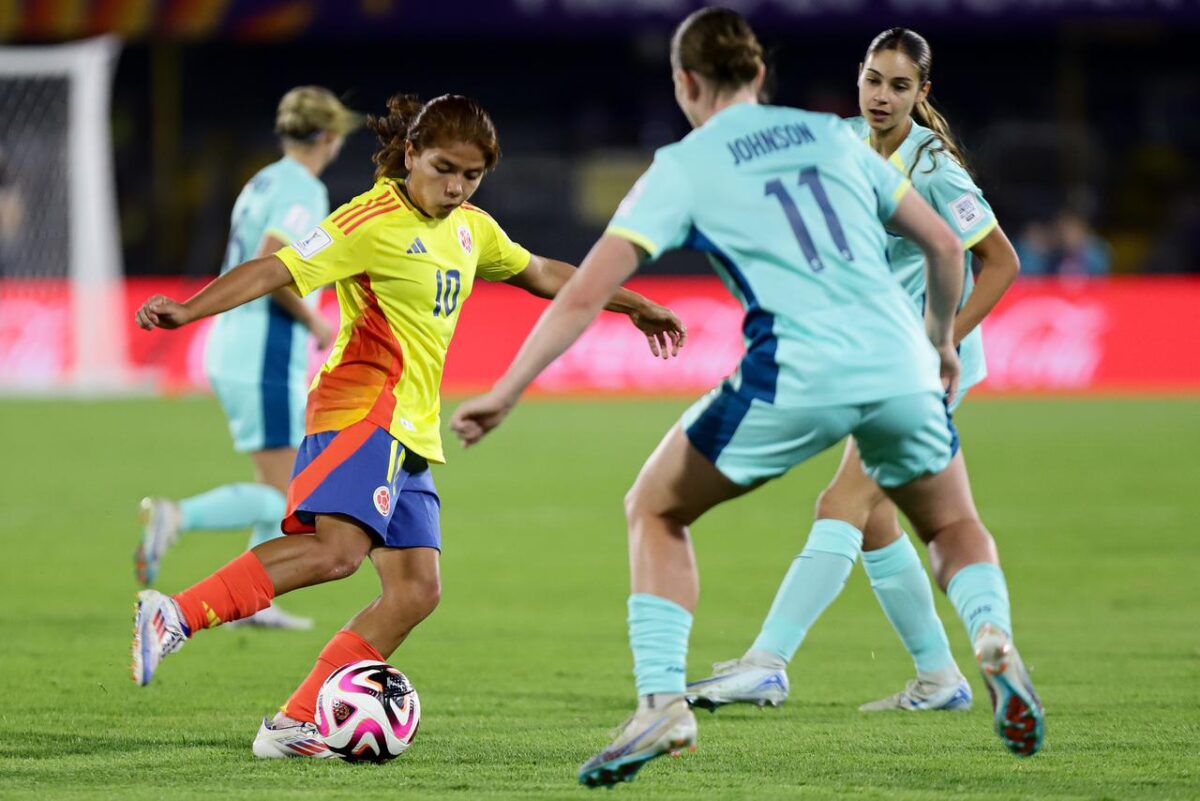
(812, 179)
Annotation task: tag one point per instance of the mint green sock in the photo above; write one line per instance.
(658, 635)
(980, 595)
(899, 581)
(233, 506)
(815, 578)
(264, 532)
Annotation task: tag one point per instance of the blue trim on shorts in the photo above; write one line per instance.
(713, 430)
(759, 368)
(954, 442)
(277, 357)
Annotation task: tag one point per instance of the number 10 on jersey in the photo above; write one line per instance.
(445, 302)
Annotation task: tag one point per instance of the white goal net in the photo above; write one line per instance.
(62, 308)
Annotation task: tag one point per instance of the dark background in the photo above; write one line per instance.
(1087, 107)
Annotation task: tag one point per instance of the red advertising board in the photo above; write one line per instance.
(1123, 335)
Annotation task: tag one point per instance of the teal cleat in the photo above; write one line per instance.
(649, 734)
(1019, 716)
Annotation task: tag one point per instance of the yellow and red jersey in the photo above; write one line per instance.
(401, 279)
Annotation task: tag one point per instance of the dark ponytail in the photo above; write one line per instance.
(442, 121)
(392, 132)
(914, 46)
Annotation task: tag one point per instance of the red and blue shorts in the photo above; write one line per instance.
(365, 473)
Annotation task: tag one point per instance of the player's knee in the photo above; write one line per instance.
(635, 503)
(337, 563)
(831, 503)
(427, 593)
(415, 600)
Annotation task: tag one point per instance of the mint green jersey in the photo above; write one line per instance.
(789, 207)
(948, 188)
(259, 343)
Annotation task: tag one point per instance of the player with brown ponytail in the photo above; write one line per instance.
(404, 257)
(900, 123)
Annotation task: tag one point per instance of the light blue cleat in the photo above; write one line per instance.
(739, 682)
(649, 734)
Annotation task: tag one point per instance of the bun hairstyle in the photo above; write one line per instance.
(445, 120)
(719, 45)
(914, 46)
(305, 112)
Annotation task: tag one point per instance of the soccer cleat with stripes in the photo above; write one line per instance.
(739, 682)
(160, 530)
(649, 734)
(922, 695)
(286, 742)
(1019, 717)
(158, 630)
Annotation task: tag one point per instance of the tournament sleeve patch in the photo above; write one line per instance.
(966, 212)
(314, 243)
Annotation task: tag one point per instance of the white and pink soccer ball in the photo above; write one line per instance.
(368, 712)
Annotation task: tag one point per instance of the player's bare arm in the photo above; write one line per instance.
(240, 285)
(998, 268)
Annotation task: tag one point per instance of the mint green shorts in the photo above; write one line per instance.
(750, 441)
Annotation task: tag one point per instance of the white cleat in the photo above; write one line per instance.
(161, 520)
(739, 682)
(924, 695)
(1019, 718)
(158, 630)
(273, 618)
(286, 742)
(649, 734)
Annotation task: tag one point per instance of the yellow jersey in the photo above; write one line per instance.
(402, 279)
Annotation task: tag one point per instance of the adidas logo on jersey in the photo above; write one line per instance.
(417, 247)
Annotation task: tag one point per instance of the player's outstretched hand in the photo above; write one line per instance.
(162, 312)
(664, 331)
(477, 416)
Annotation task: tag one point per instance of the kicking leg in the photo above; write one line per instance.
(245, 586)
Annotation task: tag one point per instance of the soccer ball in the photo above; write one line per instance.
(368, 712)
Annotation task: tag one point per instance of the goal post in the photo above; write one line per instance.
(56, 149)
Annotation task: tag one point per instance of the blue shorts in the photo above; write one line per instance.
(262, 415)
(363, 472)
(900, 439)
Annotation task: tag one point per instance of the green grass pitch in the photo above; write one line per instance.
(525, 668)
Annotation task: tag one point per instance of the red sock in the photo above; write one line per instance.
(237, 590)
(346, 647)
